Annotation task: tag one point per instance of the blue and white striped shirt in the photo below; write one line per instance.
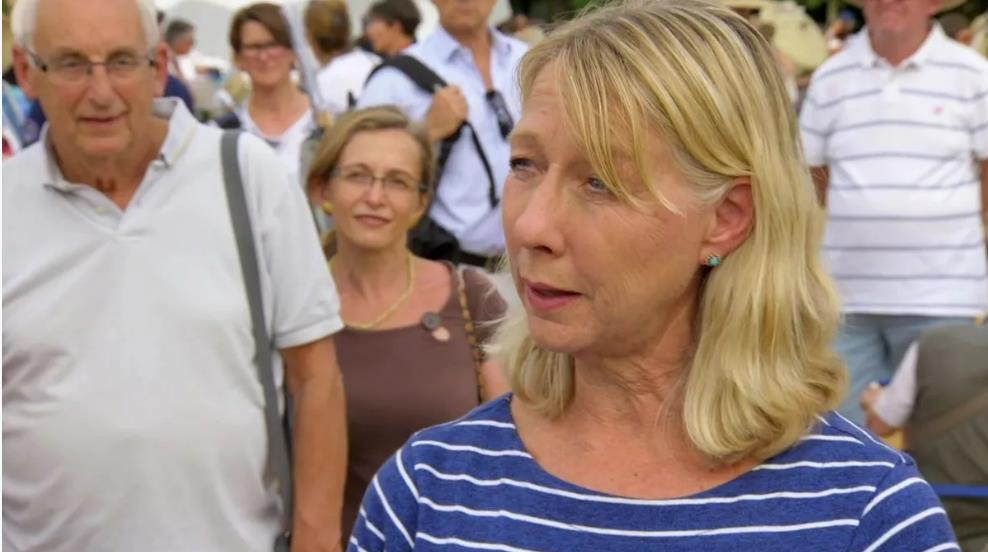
(471, 485)
(904, 231)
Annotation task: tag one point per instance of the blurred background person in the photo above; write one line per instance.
(276, 109)
(840, 31)
(180, 36)
(412, 349)
(940, 396)
(958, 27)
(390, 26)
(895, 129)
(477, 65)
(671, 360)
(344, 68)
(175, 86)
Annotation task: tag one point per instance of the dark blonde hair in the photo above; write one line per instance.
(337, 137)
(363, 120)
(266, 14)
(327, 23)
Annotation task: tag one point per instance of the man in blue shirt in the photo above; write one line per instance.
(479, 64)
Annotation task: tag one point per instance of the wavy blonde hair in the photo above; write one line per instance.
(705, 81)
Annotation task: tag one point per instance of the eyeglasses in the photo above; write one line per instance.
(256, 50)
(393, 184)
(76, 68)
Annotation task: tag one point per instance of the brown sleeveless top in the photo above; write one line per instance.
(401, 380)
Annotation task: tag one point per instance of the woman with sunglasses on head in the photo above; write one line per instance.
(277, 110)
(411, 352)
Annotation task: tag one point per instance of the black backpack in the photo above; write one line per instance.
(428, 239)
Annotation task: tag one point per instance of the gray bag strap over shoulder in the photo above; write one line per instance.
(278, 455)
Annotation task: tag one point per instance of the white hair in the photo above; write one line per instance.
(24, 21)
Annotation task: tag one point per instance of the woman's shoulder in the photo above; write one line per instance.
(483, 441)
(486, 430)
(874, 487)
(837, 446)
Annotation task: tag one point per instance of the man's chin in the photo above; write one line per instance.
(102, 146)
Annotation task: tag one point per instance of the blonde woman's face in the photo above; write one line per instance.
(374, 189)
(597, 276)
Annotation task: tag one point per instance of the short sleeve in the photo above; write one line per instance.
(303, 305)
(388, 514)
(903, 514)
(487, 307)
(814, 126)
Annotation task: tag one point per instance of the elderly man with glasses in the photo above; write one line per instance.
(133, 411)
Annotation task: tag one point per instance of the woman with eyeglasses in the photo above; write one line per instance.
(277, 110)
(411, 352)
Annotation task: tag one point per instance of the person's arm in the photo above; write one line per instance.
(314, 382)
(304, 311)
(889, 408)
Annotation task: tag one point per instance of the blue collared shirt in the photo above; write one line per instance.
(462, 205)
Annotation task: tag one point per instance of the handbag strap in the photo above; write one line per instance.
(278, 460)
(475, 349)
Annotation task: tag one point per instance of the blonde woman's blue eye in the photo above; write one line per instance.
(597, 185)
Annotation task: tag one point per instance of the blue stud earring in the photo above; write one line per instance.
(712, 260)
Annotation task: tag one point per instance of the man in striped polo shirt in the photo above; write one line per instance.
(895, 128)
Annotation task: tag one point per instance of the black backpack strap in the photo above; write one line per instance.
(229, 121)
(416, 71)
(428, 81)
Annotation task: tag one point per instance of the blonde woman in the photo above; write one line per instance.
(411, 352)
(670, 360)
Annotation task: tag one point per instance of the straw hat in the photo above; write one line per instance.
(796, 34)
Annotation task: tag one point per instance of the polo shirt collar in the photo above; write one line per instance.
(445, 46)
(870, 59)
(181, 128)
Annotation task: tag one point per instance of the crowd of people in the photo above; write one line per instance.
(572, 292)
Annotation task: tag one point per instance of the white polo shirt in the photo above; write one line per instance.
(904, 233)
(132, 410)
(462, 204)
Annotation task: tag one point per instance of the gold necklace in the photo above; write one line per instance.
(390, 310)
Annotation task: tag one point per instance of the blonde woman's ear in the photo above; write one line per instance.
(732, 222)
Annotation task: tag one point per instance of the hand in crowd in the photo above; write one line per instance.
(449, 111)
(869, 397)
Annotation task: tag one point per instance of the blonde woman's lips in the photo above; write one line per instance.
(543, 297)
